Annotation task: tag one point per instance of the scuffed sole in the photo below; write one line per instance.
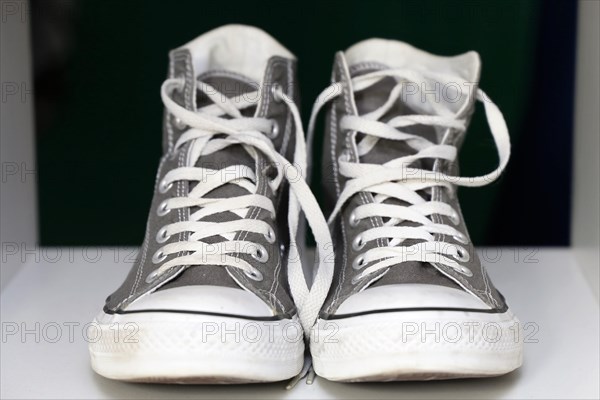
(417, 345)
(194, 349)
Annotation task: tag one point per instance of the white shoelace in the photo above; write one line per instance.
(398, 180)
(213, 128)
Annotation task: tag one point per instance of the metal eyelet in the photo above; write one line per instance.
(162, 209)
(179, 124)
(271, 172)
(255, 275)
(358, 262)
(270, 236)
(352, 220)
(159, 257)
(161, 235)
(274, 130)
(164, 187)
(274, 88)
(465, 271)
(260, 254)
(344, 156)
(461, 238)
(358, 243)
(455, 218)
(462, 254)
(152, 276)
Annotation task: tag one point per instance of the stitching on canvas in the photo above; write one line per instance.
(288, 119)
(143, 257)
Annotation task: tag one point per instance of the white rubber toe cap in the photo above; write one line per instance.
(409, 295)
(204, 298)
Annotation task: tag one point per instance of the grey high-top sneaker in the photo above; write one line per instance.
(410, 298)
(208, 300)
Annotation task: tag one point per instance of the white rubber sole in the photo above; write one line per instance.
(417, 345)
(194, 348)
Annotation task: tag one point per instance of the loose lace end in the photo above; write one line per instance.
(307, 371)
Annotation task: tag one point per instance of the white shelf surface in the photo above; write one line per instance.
(61, 287)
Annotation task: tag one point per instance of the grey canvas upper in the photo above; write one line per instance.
(273, 288)
(338, 142)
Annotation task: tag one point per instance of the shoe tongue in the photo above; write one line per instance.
(445, 82)
(461, 72)
(374, 97)
(387, 150)
(230, 85)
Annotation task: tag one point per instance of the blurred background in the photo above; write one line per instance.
(99, 64)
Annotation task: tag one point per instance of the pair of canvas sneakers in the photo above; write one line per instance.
(223, 291)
